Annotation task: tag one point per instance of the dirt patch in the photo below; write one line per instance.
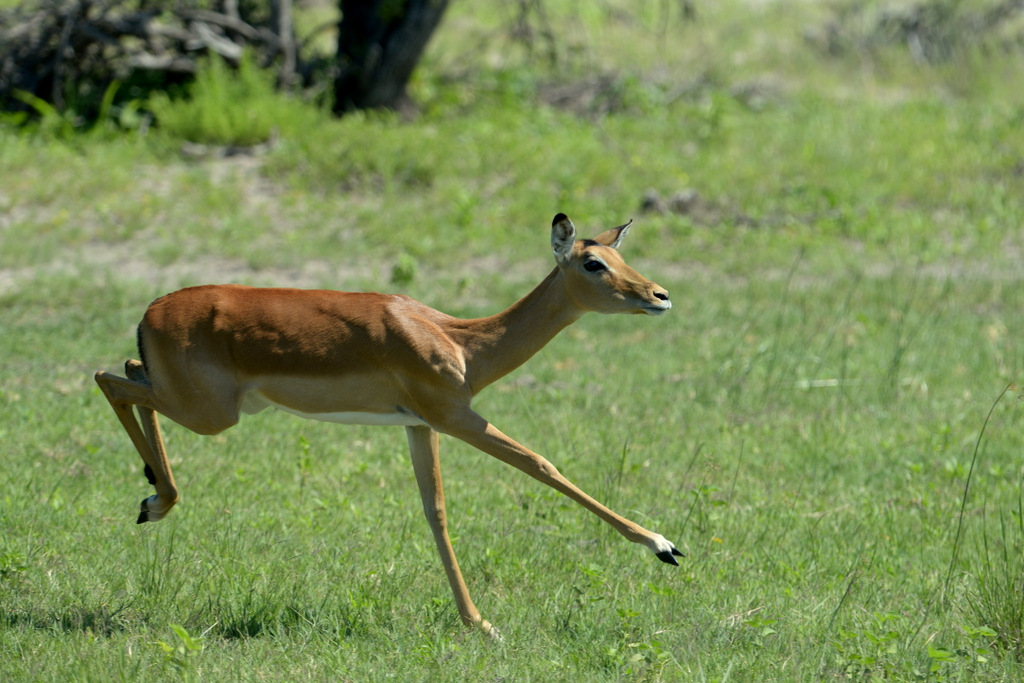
(129, 260)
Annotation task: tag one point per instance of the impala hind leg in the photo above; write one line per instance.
(137, 373)
(136, 391)
(423, 446)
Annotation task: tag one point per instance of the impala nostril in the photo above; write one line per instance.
(662, 295)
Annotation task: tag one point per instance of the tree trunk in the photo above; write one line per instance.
(281, 21)
(379, 44)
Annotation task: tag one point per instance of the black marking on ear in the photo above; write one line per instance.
(563, 236)
(620, 234)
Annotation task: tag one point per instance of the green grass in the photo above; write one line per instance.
(847, 310)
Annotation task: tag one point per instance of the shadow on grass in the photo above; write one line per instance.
(106, 622)
(102, 620)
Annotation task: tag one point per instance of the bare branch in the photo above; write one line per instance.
(56, 49)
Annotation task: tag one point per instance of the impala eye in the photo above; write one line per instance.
(593, 266)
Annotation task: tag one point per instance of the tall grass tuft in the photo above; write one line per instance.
(225, 106)
(994, 602)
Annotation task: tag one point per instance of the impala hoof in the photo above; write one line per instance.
(144, 512)
(152, 509)
(491, 631)
(666, 556)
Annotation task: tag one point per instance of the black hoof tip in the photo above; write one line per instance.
(666, 557)
(143, 513)
(149, 475)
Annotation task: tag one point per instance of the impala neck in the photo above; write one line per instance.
(497, 345)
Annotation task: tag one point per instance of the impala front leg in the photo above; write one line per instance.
(478, 432)
(423, 446)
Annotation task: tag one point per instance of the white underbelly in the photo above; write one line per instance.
(254, 402)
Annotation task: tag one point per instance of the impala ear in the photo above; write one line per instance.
(613, 238)
(563, 237)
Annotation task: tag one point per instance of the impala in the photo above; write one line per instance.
(210, 353)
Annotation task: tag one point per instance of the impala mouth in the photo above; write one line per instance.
(657, 309)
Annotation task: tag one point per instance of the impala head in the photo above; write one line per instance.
(597, 278)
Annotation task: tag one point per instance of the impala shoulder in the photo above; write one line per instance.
(425, 335)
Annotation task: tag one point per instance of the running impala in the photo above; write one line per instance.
(210, 353)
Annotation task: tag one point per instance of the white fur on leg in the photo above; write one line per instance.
(153, 510)
(491, 631)
(664, 549)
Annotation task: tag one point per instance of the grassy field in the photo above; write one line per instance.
(826, 422)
